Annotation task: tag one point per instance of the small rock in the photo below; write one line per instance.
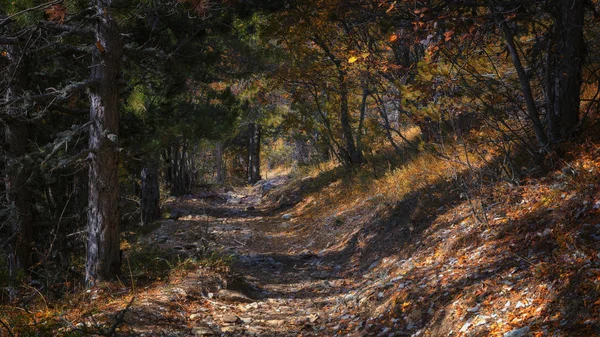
(275, 322)
(230, 319)
(474, 309)
(373, 265)
(267, 187)
(246, 320)
(313, 318)
(233, 296)
(521, 332)
(202, 331)
(466, 327)
(229, 329)
(350, 297)
(179, 292)
(520, 305)
(286, 216)
(195, 316)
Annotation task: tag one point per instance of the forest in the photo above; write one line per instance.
(299, 168)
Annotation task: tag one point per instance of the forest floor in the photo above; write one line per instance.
(405, 252)
(264, 280)
(322, 255)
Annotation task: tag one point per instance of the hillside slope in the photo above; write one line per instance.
(414, 251)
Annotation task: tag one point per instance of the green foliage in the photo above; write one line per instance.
(20, 6)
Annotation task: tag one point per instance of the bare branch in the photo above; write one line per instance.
(58, 95)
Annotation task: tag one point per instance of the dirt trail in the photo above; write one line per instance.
(276, 287)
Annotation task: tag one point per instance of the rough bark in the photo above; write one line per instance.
(103, 254)
(150, 200)
(566, 54)
(253, 153)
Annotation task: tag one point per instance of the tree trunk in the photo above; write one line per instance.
(103, 253)
(301, 149)
(220, 163)
(531, 111)
(388, 128)
(168, 154)
(150, 201)
(361, 120)
(253, 153)
(18, 171)
(353, 154)
(350, 153)
(563, 68)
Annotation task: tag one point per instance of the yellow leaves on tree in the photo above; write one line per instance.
(57, 13)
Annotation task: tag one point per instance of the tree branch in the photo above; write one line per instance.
(6, 20)
(58, 95)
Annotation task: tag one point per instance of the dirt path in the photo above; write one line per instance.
(276, 287)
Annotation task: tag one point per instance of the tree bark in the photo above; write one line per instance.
(103, 253)
(150, 200)
(566, 54)
(253, 153)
